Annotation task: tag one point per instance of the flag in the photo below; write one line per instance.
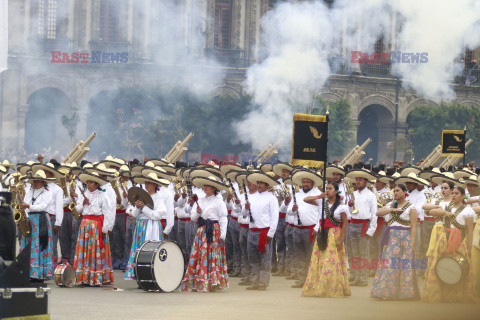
(309, 142)
(453, 143)
(3, 35)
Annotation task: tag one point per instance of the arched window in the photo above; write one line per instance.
(223, 24)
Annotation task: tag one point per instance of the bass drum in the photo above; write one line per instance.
(65, 275)
(159, 266)
(452, 268)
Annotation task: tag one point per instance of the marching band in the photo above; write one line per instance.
(397, 225)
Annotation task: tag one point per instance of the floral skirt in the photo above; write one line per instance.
(93, 263)
(138, 240)
(41, 265)
(327, 274)
(436, 291)
(476, 263)
(395, 277)
(207, 266)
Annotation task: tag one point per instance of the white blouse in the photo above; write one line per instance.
(213, 208)
(152, 231)
(465, 214)
(337, 214)
(99, 205)
(405, 215)
(38, 199)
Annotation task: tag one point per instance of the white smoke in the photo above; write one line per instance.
(299, 37)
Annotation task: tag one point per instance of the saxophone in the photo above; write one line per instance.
(73, 205)
(114, 184)
(19, 214)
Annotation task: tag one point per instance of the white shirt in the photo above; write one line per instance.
(180, 208)
(366, 204)
(308, 213)
(405, 215)
(112, 197)
(213, 208)
(42, 200)
(264, 208)
(152, 231)
(167, 197)
(99, 205)
(342, 187)
(418, 199)
(55, 207)
(243, 215)
(465, 214)
(337, 214)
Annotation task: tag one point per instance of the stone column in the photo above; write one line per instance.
(130, 21)
(21, 117)
(82, 133)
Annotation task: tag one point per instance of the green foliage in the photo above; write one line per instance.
(426, 125)
(71, 123)
(340, 135)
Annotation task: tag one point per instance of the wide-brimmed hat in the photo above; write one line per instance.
(411, 177)
(280, 166)
(3, 170)
(151, 177)
(91, 176)
(211, 180)
(333, 168)
(430, 173)
(47, 167)
(111, 161)
(407, 170)
(101, 169)
(203, 172)
(213, 169)
(255, 177)
(38, 175)
(299, 174)
(65, 168)
(158, 162)
(159, 171)
(23, 168)
(266, 167)
(463, 174)
(445, 176)
(7, 165)
(361, 173)
(124, 171)
(232, 174)
(170, 168)
(241, 177)
(224, 168)
(382, 177)
(473, 179)
(137, 169)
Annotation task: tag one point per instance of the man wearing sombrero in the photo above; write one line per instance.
(336, 173)
(362, 225)
(263, 224)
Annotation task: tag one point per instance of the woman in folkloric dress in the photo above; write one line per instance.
(148, 226)
(394, 279)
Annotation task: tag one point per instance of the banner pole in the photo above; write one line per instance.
(464, 147)
(324, 174)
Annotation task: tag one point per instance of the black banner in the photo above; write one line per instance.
(309, 143)
(453, 143)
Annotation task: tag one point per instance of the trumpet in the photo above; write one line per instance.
(349, 193)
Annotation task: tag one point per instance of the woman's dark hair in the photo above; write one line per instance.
(461, 189)
(402, 186)
(337, 197)
(450, 184)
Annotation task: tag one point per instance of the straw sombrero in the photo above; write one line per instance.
(91, 176)
(382, 177)
(232, 174)
(101, 169)
(137, 169)
(211, 180)
(124, 171)
(47, 167)
(159, 171)
(429, 174)
(255, 177)
(266, 167)
(361, 173)
(203, 172)
(38, 175)
(7, 165)
(241, 177)
(151, 177)
(446, 176)
(158, 162)
(473, 179)
(111, 161)
(2, 170)
(411, 177)
(463, 174)
(280, 166)
(170, 168)
(300, 174)
(224, 168)
(214, 169)
(331, 169)
(407, 170)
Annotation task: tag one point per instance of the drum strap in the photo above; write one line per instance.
(396, 216)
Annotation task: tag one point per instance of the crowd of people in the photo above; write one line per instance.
(328, 230)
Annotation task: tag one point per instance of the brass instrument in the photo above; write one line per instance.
(438, 196)
(19, 214)
(429, 196)
(73, 204)
(114, 184)
(281, 192)
(62, 183)
(349, 194)
(384, 198)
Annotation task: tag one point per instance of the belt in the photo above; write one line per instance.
(311, 231)
(244, 225)
(429, 219)
(100, 226)
(184, 219)
(262, 241)
(234, 218)
(208, 227)
(66, 209)
(164, 223)
(361, 221)
(282, 215)
(121, 211)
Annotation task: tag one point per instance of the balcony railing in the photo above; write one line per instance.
(110, 46)
(228, 57)
(46, 46)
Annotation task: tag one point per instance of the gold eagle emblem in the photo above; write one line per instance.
(314, 131)
(457, 138)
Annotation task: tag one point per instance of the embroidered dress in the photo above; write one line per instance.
(327, 274)
(41, 265)
(92, 255)
(395, 278)
(207, 266)
(436, 291)
(476, 260)
(148, 227)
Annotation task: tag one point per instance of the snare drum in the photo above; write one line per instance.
(65, 275)
(159, 266)
(452, 268)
